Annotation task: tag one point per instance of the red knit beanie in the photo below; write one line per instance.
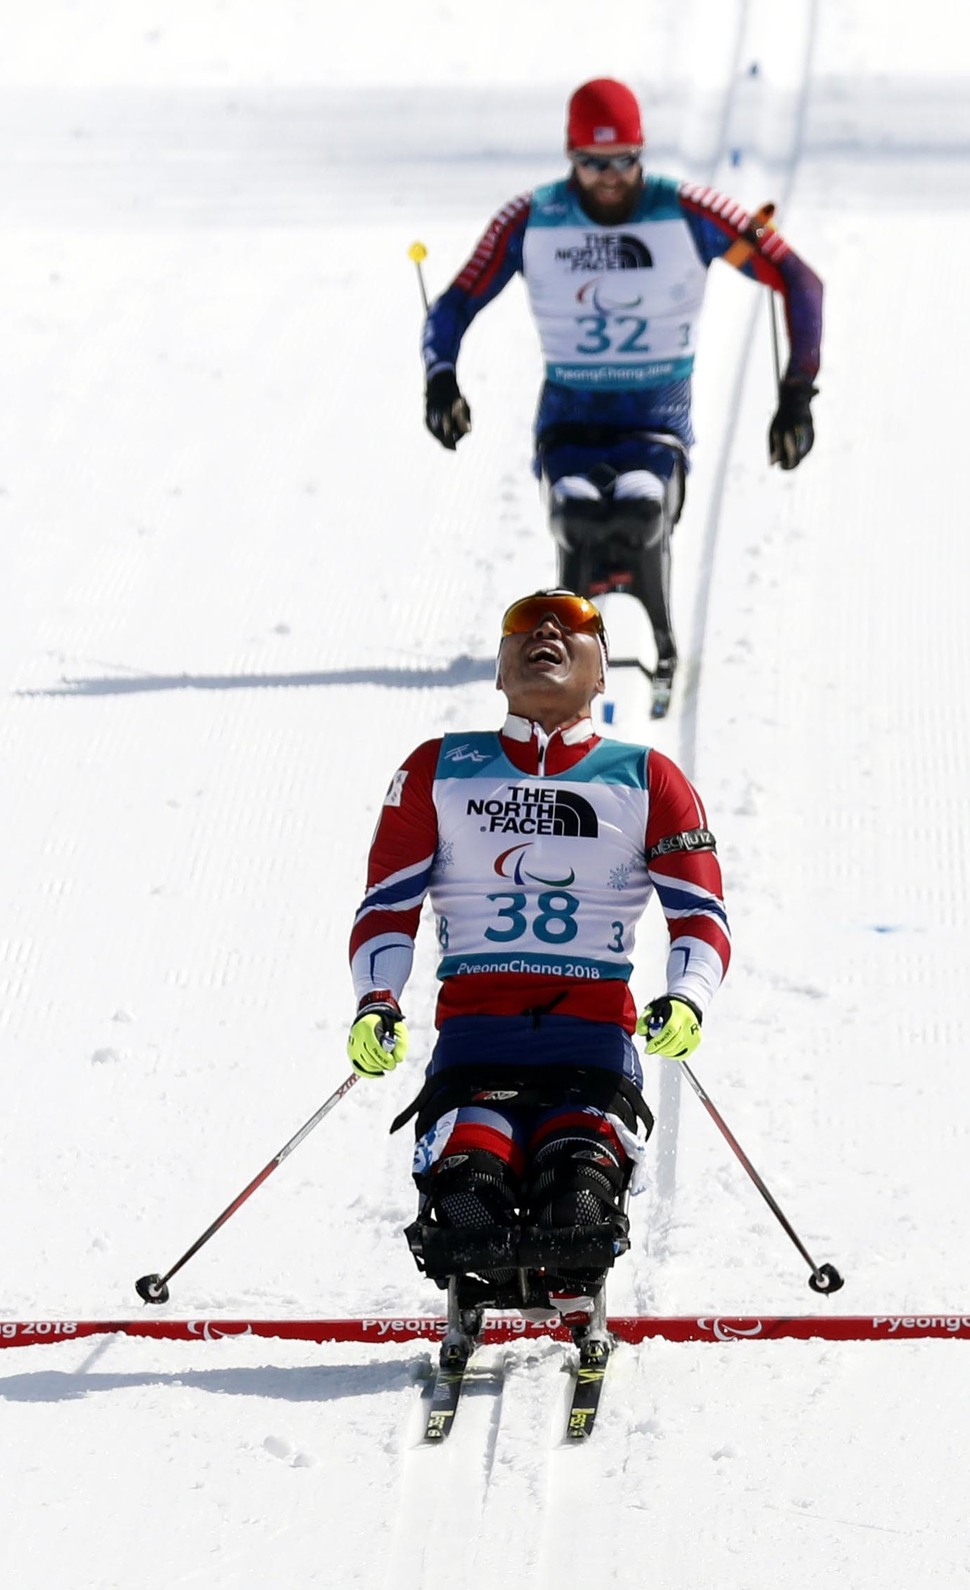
(602, 114)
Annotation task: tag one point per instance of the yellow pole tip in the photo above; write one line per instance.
(417, 252)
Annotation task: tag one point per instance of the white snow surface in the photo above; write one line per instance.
(240, 582)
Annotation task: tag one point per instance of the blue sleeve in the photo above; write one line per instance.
(497, 257)
(715, 223)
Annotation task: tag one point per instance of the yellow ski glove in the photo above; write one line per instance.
(671, 1026)
(378, 1039)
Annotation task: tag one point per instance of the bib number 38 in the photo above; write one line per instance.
(553, 921)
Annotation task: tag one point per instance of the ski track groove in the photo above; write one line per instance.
(491, 1479)
(668, 1121)
(505, 1473)
(580, 1485)
(444, 1486)
(520, 1472)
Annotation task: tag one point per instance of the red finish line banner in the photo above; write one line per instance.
(505, 1328)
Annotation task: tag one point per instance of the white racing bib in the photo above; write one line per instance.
(539, 874)
(616, 307)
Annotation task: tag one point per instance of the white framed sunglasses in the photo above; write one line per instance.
(589, 162)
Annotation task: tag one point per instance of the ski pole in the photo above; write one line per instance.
(773, 316)
(154, 1288)
(824, 1277)
(417, 252)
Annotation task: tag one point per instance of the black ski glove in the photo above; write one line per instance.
(791, 433)
(446, 414)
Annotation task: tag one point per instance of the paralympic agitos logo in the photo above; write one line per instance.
(511, 864)
(530, 809)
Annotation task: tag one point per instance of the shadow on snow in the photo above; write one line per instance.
(319, 1383)
(461, 670)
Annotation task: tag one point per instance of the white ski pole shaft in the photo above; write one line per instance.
(776, 354)
(154, 1288)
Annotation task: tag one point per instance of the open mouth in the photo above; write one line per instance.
(546, 652)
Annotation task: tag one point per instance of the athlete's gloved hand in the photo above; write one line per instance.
(791, 433)
(446, 414)
(378, 1039)
(671, 1026)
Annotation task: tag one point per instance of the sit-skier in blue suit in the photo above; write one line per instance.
(615, 263)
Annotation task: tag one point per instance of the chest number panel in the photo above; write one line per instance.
(553, 923)
(613, 334)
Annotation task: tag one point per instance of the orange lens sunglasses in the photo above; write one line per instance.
(571, 612)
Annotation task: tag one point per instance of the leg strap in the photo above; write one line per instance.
(528, 1088)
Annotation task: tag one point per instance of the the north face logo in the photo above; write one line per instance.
(607, 251)
(531, 810)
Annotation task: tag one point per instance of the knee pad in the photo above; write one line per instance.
(639, 485)
(474, 1188)
(577, 1178)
